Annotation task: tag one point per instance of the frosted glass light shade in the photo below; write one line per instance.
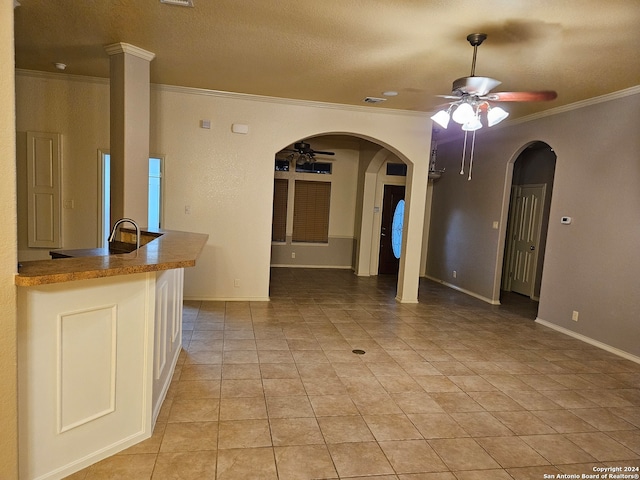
(472, 125)
(441, 118)
(495, 115)
(463, 114)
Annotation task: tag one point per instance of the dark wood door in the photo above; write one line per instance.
(389, 261)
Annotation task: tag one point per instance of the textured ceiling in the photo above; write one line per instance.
(341, 51)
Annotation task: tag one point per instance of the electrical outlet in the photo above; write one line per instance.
(187, 209)
(293, 254)
(455, 274)
(574, 316)
(236, 282)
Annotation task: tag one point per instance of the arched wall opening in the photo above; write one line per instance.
(358, 199)
(532, 171)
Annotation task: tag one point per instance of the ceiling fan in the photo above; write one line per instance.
(471, 96)
(303, 153)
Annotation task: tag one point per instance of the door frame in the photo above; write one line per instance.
(381, 181)
(392, 215)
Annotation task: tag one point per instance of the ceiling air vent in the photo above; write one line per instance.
(180, 3)
(374, 100)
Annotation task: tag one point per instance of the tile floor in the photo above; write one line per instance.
(448, 389)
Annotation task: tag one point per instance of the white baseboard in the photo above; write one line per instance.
(334, 267)
(226, 299)
(467, 292)
(589, 340)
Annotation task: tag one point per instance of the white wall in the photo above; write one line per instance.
(590, 266)
(225, 178)
(8, 249)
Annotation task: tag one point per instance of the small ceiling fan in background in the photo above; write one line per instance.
(471, 96)
(303, 153)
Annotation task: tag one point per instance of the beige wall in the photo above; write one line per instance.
(8, 255)
(590, 266)
(78, 108)
(226, 179)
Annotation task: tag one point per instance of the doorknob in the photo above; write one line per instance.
(532, 247)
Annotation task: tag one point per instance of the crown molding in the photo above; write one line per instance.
(117, 48)
(607, 97)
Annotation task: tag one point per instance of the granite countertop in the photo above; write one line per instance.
(172, 249)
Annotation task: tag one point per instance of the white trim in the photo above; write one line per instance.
(590, 341)
(335, 267)
(468, 292)
(197, 298)
(231, 95)
(121, 47)
(607, 97)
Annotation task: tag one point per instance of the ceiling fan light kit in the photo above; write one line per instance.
(470, 97)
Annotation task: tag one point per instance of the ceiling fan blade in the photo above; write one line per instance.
(475, 85)
(450, 97)
(320, 152)
(541, 96)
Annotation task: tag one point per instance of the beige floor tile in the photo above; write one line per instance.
(244, 408)
(533, 473)
(456, 402)
(324, 386)
(413, 402)
(246, 464)
(359, 459)
(150, 445)
(185, 466)
(463, 454)
(289, 407)
(198, 389)
(531, 400)
(241, 388)
(279, 370)
(295, 431)
(485, 475)
(194, 410)
(201, 372)
(240, 356)
(602, 447)
(427, 476)
(243, 371)
(564, 421)
(472, 383)
(523, 423)
(204, 357)
(602, 419)
(375, 403)
(557, 449)
(304, 462)
(437, 425)
(571, 399)
(283, 387)
(244, 434)
(343, 429)
(437, 384)
(481, 424)
(275, 356)
(123, 467)
(628, 438)
(412, 456)
(332, 405)
(511, 452)
(391, 427)
(189, 437)
(453, 368)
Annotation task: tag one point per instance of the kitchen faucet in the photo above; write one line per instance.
(115, 228)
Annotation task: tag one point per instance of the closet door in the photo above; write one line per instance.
(44, 174)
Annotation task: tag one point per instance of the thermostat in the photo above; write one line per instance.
(565, 220)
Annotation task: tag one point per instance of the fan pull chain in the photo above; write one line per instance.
(464, 151)
(473, 146)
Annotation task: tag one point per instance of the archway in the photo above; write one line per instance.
(528, 222)
(357, 201)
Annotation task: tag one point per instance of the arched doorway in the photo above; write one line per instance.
(528, 221)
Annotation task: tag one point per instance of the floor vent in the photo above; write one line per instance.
(374, 100)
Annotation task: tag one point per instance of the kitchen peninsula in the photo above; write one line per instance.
(99, 336)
